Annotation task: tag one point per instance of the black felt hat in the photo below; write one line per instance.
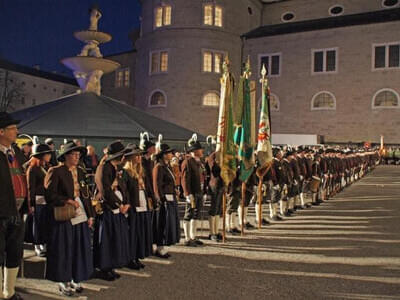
(69, 147)
(6, 120)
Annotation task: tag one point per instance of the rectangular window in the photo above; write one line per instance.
(158, 62)
(386, 56)
(212, 15)
(272, 63)
(167, 15)
(212, 61)
(218, 16)
(324, 60)
(394, 56)
(158, 17)
(207, 62)
(162, 16)
(164, 61)
(118, 78)
(217, 62)
(127, 77)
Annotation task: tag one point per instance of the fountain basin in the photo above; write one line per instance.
(89, 64)
(90, 35)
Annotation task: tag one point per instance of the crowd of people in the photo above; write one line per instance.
(91, 216)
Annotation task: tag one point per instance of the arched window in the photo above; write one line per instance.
(323, 101)
(274, 103)
(158, 99)
(386, 98)
(211, 99)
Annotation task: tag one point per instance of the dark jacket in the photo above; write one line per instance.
(8, 206)
(59, 187)
(35, 176)
(191, 176)
(132, 185)
(148, 166)
(163, 181)
(213, 171)
(111, 201)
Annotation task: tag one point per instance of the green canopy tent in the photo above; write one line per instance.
(97, 120)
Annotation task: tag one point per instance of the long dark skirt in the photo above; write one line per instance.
(133, 236)
(69, 252)
(144, 233)
(159, 224)
(172, 226)
(111, 241)
(41, 224)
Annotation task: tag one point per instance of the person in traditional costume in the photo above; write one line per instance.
(36, 172)
(164, 186)
(13, 193)
(69, 251)
(140, 216)
(111, 235)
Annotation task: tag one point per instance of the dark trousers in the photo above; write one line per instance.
(216, 201)
(233, 201)
(11, 241)
(194, 212)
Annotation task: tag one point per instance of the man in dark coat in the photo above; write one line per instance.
(13, 193)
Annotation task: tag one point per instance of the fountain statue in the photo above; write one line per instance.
(89, 65)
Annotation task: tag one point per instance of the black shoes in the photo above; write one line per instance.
(290, 211)
(133, 265)
(190, 243)
(234, 231)
(116, 275)
(16, 297)
(198, 242)
(276, 218)
(164, 256)
(249, 226)
(138, 262)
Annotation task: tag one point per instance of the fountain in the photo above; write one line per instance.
(89, 65)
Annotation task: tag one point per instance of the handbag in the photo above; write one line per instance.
(64, 213)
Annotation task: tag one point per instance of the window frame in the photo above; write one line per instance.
(388, 7)
(270, 63)
(374, 107)
(387, 46)
(285, 13)
(323, 108)
(158, 72)
(324, 63)
(213, 52)
(333, 6)
(151, 96)
(210, 92)
(213, 5)
(163, 15)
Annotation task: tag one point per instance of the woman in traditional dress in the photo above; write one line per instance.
(69, 251)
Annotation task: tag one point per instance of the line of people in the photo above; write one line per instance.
(133, 213)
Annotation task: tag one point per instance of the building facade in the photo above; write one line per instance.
(22, 87)
(333, 64)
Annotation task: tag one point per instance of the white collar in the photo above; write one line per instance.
(4, 149)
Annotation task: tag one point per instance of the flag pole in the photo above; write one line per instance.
(260, 183)
(224, 216)
(242, 204)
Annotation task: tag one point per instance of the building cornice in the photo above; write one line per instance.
(382, 16)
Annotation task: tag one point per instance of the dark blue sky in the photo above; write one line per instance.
(40, 32)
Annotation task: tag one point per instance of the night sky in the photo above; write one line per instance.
(40, 32)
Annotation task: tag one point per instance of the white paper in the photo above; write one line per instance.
(80, 216)
(40, 200)
(169, 197)
(142, 202)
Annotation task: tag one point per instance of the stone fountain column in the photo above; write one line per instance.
(89, 65)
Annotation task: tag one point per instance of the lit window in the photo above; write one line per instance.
(118, 78)
(211, 99)
(212, 61)
(122, 78)
(323, 101)
(127, 77)
(158, 62)
(213, 15)
(162, 16)
(324, 61)
(158, 98)
(386, 98)
(386, 56)
(272, 63)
